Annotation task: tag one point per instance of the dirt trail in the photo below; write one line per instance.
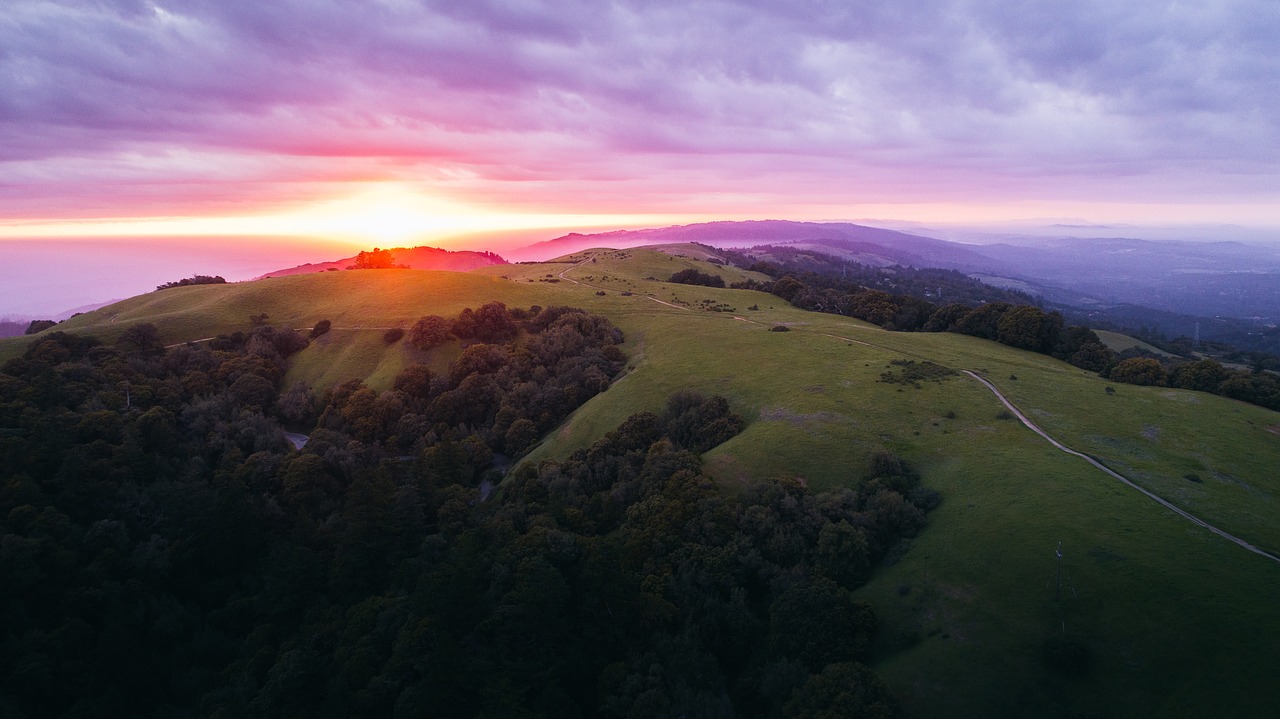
(586, 284)
(1164, 503)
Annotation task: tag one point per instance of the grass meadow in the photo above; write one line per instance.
(1175, 621)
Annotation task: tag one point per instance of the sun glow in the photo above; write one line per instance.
(384, 213)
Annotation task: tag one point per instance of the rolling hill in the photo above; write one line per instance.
(1230, 289)
(1176, 621)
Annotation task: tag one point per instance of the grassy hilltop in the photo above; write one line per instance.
(1177, 621)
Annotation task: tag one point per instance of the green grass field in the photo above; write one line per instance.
(1178, 621)
(1120, 343)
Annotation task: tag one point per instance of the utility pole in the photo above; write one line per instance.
(1057, 592)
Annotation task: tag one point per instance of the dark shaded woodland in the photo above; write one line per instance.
(166, 552)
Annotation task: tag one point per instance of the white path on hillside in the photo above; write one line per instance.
(1164, 503)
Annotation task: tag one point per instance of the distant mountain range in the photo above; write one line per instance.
(1201, 278)
(416, 258)
(860, 243)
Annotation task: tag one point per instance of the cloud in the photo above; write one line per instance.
(933, 99)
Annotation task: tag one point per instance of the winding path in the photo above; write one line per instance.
(562, 275)
(1163, 502)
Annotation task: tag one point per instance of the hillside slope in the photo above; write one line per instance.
(1174, 620)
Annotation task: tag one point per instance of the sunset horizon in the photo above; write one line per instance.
(405, 121)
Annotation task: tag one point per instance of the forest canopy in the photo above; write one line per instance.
(166, 550)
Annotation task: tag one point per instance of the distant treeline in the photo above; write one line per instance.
(13, 328)
(1024, 326)
(166, 550)
(823, 271)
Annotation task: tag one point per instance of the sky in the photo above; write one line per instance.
(381, 121)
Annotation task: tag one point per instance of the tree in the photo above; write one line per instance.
(520, 436)
(1140, 371)
(944, 319)
(873, 306)
(376, 259)
(494, 324)
(1205, 376)
(1093, 356)
(845, 690)
(429, 332)
(843, 554)
(983, 321)
(142, 337)
(415, 381)
(298, 405)
(819, 622)
(1029, 328)
(39, 326)
(787, 287)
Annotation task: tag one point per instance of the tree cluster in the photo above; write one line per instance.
(1256, 386)
(1023, 326)
(375, 259)
(37, 326)
(193, 280)
(492, 322)
(165, 550)
(823, 272)
(694, 277)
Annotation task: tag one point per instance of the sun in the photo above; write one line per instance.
(390, 214)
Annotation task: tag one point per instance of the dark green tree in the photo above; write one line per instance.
(1140, 371)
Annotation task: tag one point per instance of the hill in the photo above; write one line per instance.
(414, 258)
(1230, 289)
(872, 245)
(1172, 619)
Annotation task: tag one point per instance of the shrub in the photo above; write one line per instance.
(322, 328)
(392, 335)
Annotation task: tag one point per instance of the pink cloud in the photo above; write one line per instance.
(209, 105)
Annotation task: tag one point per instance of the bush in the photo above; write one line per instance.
(779, 328)
(392, 335)
(322, 328)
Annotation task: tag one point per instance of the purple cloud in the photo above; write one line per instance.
(537, 101)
